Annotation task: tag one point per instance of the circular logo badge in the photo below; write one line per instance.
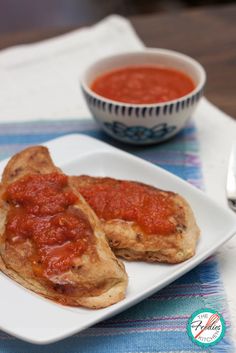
(206, 327)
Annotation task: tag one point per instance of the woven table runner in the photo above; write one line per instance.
(157, 324)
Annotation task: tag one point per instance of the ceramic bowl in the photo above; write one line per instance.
(143, 123)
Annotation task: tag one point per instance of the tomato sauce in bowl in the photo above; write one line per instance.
(143, 84)
(143, 97)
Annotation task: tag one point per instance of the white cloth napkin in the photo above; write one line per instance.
(41, 81)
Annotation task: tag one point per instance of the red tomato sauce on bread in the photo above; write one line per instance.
(153, 210)
(41, 211)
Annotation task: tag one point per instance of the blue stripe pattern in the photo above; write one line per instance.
(157, 324)
(141, 112)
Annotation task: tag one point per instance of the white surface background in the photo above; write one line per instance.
(41, 81)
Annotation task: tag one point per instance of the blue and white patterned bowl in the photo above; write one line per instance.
(143, 123)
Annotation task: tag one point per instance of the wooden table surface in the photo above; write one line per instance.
(207, 34)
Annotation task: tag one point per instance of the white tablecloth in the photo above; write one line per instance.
(41, 81)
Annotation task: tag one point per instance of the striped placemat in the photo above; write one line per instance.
(157, 324)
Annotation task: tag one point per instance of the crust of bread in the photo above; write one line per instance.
(98, 278)
(130, 242)
(32, 160)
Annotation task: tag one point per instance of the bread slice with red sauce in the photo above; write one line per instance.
(93, 277)
(140, 221)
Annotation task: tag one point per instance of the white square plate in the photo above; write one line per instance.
(34, 319)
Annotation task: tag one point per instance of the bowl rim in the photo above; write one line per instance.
(172, 53)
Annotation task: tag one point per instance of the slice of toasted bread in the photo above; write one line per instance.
(96, 278)
(127, 237)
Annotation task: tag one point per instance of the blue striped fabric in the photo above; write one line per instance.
(157, 324)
